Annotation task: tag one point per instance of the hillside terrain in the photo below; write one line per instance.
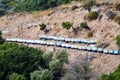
(26, 26)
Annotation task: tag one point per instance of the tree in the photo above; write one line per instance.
(47, 57)
(43, 74)
(19, 59)
(1, 39)
(62, 56)
(112, 76)
(55, 67)
(16, 76)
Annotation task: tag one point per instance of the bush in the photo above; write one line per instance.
(2, 12)
(112, 76)
(12, 3)
(66, 25)
(84, 25)
(1, 39)
(74, 7)
(117, 7)
(41, 75)
(42, 26)
(92, 15)
(90, 34)
(119, 22)
(62, 56)
(16, 76)
(55, 67)
(116, 18)
(88, 4)
(118, 41)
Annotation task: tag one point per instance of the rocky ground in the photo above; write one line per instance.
(26, 25)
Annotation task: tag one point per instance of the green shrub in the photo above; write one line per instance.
(43, 74)
(42, 26)
(90, 34)
(12, 3)
(91, 15)
(118, 41)
(116, 18)
(66, 25)
(62, 56)
(1, 39)
(84, 25)
(55, 66)
(16, 76)
(117, 7)
(112, 76)
(31, 5)
(88, 4)
(119, 22)
(2, 12)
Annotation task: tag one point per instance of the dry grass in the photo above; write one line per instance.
(36, 14)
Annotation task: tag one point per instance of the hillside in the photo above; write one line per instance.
(26, 25)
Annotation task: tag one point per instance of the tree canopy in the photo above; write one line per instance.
(19, 62)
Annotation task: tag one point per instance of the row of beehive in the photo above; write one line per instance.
(63, 45)
(77, 40)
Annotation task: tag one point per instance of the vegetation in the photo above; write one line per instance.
(16, 76)
(112, 76)
(43, 74)
(78, 70)
(19, 62)
(42, 26)
(118, 41)
(116, 18)
(91, 15)
(66, 25)
(90, 34)
(88, 4)
(119, 22)
(38, 4)
(117, 7)
(84, 25)
(1, 39)
(28, 5)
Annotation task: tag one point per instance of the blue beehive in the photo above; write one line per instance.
(58, 44)
(63, 38)
(100, 49)
(88, 41)
(111, 51)
(89, 49)
(94, 49)
(52, 43)
(116, 52)
(49, 37)
(79, 40)
(85, 41)
(72, 40)
(84, 48)
(63, 45)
